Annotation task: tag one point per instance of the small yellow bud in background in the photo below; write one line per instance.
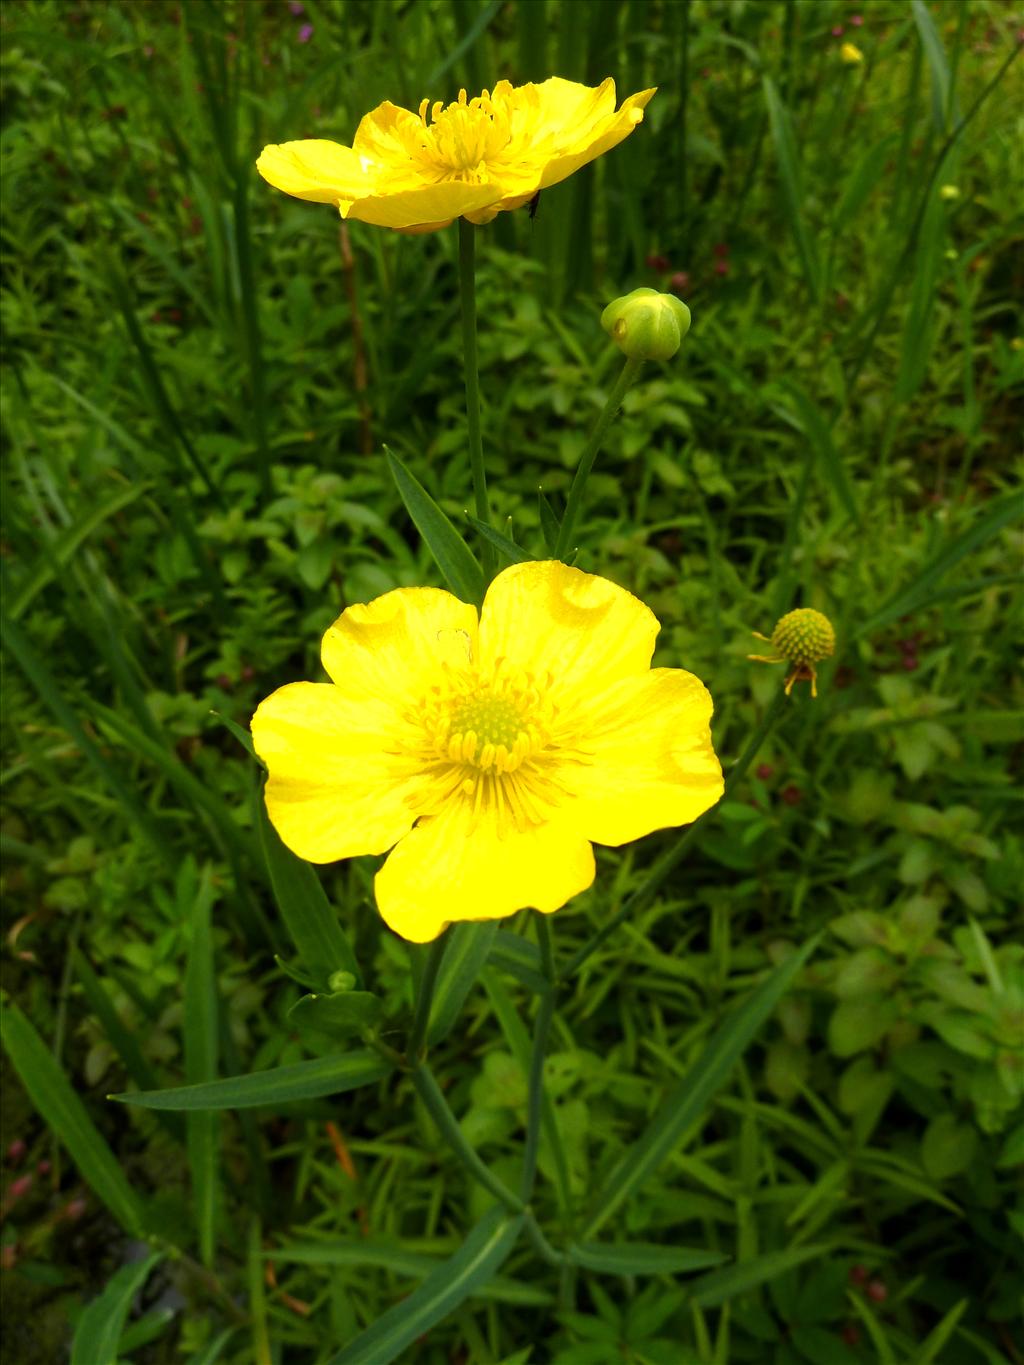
(801, 638)
(851, 54)
(646, 325)
(949, 192)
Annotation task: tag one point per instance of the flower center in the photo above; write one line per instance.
(461, 137)
(489, 731)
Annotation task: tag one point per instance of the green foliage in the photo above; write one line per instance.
(199, 379)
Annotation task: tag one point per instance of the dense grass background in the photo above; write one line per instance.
(199, 376)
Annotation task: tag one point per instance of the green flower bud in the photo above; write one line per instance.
(340, 981)
(646, 325)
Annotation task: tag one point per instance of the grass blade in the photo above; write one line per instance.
(280, 1085)
(311, 921)
(52, 1093)
(808, 418)
(789, 174)
(451, 553)
(690, 1098)
(201, 1058)
(502, 544)
(483, 1251)
(917, 593)
(100, 1326)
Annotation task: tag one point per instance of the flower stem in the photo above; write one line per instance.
(535, 1091)
(437, 1106)
(467, 295)
(645, 893)
(418, 1033)
(629, 373)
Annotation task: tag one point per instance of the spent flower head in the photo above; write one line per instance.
(487, 753)
(801, 638)
(470, 159)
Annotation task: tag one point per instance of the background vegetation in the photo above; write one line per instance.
(199, 376)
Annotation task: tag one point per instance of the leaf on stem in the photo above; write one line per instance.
(451, 553)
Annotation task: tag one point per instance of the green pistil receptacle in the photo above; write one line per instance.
(801, 638)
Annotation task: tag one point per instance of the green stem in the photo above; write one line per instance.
(424, 1000)
(541, 1243)
(437, 1106)
(467, 295)
(629, 373)
(644, 894)
(535, 1091)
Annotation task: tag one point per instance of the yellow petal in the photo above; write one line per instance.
(396, 646)
(427, 206)
(650, 763)
(336, 787)
(451, 869)
(596, 139)
(324, 172)
(581, 631)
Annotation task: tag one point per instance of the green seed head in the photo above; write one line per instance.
(646, 325)
(804, 636)
(340, 981)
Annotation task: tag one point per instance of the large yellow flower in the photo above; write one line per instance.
(469, 160)
(487, 754)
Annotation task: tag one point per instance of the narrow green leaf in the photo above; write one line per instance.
(690, 1099)
(451, 553)
(939, 1335)
(311, 922)
(51, 1092)
(124, 1042)
(46, 686)
(468, 948)
(789, 174)
(201, 1031)
(211, 1353)
(343, 1013)
(63, 549)
(483, 1251)
(519, 958)
(722, 1285)
(917, 593)
(642, 1258)
(550, 525)
(281, 1085)
(100, 1326)
(868, 171)
(937, 64)
(508, 548)
(808, 418)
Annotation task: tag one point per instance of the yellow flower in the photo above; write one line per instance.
(851, 54)
(487, 754)
(469, 160)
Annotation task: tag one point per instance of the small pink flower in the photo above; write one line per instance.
(657, 262)
(305, 33)
(721, 267)
(16, 1152)
(857, 20)
(837, 32)
(20, 1187)
(296, 7)
(680, 282)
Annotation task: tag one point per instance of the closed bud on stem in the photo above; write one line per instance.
(646, 325)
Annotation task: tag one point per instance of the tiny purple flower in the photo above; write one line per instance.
(296, 7)
(305, 33)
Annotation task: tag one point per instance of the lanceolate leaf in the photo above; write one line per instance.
(691, 1097)
(201, 1060)
(467, 951)
(100, 1326)
(453, 556)
(307, 913)
(52, 1094)
(483, 1251)
(282, 1085)
(642, 1258)
(725, 1284)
